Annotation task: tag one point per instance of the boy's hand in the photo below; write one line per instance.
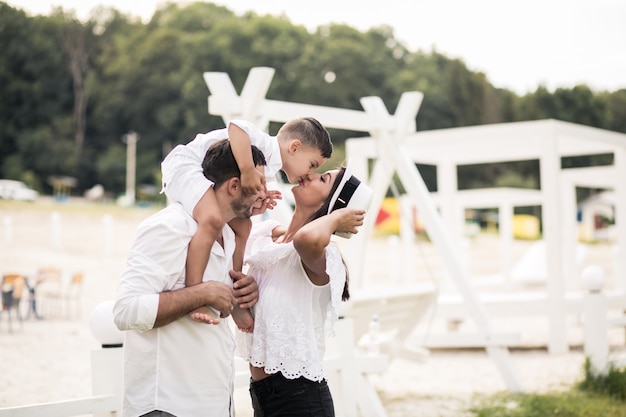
(252, 181)
(269, 202)
(271, 196)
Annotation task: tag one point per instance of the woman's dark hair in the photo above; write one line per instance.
(322, 211)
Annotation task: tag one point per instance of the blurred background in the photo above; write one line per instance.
(74, 90)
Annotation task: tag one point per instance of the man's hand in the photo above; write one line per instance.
(221, 297)
(245, 289)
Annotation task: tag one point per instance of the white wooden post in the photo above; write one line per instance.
(407, 237)
(447, 189)
(107, 368)
(107, 363)
(596, 323)
(130, 139)
(56, 229)
(620, 218)
(550, 166)
(505, 220)
(570, 235)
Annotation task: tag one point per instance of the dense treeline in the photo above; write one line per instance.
(71, 90)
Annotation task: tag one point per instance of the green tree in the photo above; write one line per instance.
(33, 87)
(70, 90)
(614, 117)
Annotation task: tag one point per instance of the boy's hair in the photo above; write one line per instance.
(310, 132)
(219, 164)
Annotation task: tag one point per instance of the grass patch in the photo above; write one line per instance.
(612, 385)
(595, 396)
(574, 403)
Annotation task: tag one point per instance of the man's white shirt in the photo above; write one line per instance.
(184, 368)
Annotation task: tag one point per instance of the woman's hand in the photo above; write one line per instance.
(348, 220)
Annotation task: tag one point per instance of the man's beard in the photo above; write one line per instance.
(241, 207)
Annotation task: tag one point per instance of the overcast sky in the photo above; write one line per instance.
(518, 45)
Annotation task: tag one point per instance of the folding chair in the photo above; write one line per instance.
(12, 289)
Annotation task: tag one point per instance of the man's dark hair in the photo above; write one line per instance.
(219, 164)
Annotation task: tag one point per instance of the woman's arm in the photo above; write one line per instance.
(311, 240)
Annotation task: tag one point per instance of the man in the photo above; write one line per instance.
(172, 364)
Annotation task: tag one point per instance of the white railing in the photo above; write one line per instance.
(107, 371)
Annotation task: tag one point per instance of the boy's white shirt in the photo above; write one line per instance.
(183, 180)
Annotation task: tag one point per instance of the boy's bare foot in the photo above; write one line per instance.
(243, 319)
(204, 315)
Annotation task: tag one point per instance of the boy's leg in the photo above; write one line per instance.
(243, 319)
(204, 315)
(242, 227)
(210, 224)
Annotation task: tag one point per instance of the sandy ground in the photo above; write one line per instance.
(49, 359)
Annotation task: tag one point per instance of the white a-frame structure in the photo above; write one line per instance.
(389, 132)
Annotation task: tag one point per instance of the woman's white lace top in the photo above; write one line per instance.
(293, 316)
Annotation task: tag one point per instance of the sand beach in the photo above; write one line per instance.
(48, 359)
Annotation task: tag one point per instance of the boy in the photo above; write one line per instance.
(301, 146)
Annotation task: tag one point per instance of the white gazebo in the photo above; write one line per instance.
(546, 141)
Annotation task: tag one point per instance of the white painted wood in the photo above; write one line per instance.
(550, 162)
(620, 218)
(102, 405)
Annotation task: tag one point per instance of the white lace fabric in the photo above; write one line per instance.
(293, 316)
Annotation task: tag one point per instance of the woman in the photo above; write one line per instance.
(302, 279)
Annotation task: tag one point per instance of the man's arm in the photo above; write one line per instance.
(175, 304)
(151, 292)
(144, 311)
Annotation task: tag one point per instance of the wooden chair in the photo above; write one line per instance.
(73, 296)
(59, 296)
(49, 292)
(12, 290)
